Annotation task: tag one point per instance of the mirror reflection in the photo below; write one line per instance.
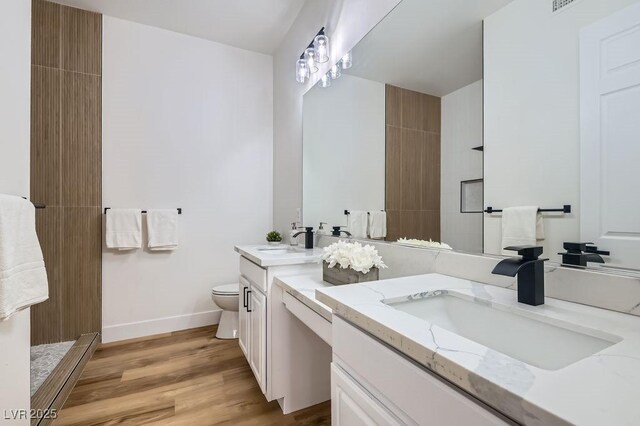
(484, 126)
(398, 135)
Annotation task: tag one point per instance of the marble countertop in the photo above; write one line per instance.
(266, 255)
(600, 389)
(303, 288)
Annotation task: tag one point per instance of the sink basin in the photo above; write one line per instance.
(525, 336)
(278, 250)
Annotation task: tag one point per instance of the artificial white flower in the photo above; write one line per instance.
(353, 255)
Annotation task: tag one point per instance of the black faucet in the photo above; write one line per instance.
(308, 237)
(578, 254)
(530, 271)
(337, 231)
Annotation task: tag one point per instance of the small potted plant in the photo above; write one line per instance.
(274, 238)
(348, 263)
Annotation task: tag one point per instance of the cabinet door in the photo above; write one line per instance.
(243, 317)
(353, 406)
(258, 335)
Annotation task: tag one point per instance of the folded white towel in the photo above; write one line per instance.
(124, 229)
(521, 226)
(23, 277)
(358, 222)
(162, 229)
(377, 224)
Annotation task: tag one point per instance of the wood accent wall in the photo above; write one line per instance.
(412, 126)
(66, 167)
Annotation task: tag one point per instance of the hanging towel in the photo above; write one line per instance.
(358, 224)
(162, 229)
(23, 277)
(521, 226)
(124, 229)
(377, 224)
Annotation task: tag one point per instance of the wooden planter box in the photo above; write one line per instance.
(339, 276)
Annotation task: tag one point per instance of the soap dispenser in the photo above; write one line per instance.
(321, 230)
(294, 230)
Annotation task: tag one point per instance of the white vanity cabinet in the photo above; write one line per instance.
(257, 335)
(373, 384)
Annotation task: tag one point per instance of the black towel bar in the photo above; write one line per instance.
(143, 211)
(565, 209)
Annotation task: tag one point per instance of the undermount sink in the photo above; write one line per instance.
(525, 336)
(278, 250)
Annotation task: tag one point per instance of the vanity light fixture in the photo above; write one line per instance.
(334, 72)
(346, 61)
(325, 80)
(317, 52)
(302, 71)
(310, 57)
(321, 45)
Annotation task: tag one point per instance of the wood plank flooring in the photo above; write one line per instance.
(181, 378)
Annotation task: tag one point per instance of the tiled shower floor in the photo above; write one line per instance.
(44, 359)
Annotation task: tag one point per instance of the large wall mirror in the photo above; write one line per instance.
(458, 119)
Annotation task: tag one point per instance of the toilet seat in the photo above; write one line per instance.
(226, 290)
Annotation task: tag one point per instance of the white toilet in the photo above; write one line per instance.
(226, 297)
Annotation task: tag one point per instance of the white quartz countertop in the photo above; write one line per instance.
(601, 389)
(266, 255)
(303, 288)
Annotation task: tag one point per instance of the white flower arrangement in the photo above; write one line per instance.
(353, 255)
(423, 243)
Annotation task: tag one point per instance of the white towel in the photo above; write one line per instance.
(358, 223)
(124, 229)
(521, 226)
(377, 224)
(23, 277)
(162, 229)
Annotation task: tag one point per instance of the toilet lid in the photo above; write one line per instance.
(226, 289)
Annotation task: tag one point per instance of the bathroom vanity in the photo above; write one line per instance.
(267, 337)
(458, 352)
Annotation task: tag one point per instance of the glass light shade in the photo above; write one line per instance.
(325, 80)
(310, 57)
(321, 45)
(346, 61)
(334, 72)
(302, 71)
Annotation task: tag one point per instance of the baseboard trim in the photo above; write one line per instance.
(132, 330)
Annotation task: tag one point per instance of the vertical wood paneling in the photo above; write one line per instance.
(45, 135)
(45, 33)
(412, 189)
(45, 316)
(66, 167)
(81, 40)
(81, 145)
(393, 167)
(393, 100)
(80, 271)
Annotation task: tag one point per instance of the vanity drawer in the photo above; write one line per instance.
(308, 316)
(409, 390)
(254, 273)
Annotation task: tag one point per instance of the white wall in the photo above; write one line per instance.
(461, 131)
(346, 22)
(186, 123)
(344, 150)
(15, 86)
(532, 112)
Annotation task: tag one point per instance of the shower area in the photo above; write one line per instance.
(66, 176)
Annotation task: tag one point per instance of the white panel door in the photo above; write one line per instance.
(243, 316)
(610, 135)
(258, 336)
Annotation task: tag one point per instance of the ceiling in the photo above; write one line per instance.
(258, 25)
(430, 46)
